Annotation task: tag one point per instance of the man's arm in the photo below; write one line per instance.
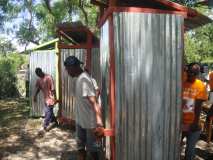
(96, 107)
(52, 87)
(35, 96)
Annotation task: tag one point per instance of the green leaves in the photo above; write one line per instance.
(199, 44)
(9, 66)
(37, 19)
(6, 46)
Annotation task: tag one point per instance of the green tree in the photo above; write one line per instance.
(6, 46)
(9, 65)
(40, 17)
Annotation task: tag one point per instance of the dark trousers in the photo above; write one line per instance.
(27, 83)
(49, 115)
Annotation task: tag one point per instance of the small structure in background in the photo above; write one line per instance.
(73, 39)
(45, 57)
(141, 48)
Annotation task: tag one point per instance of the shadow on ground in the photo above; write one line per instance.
(19, 138)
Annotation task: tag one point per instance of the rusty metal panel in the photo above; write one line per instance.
(148, 59)
(68, 83)
(46, 60)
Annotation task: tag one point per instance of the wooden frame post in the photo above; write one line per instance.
(112, 2)
(89, 52)
(112, 85)
(59, 79)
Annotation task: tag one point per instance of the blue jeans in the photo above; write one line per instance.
(48, 115)
(191, 140)
(86, 140)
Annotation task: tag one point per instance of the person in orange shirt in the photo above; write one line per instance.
(194, 93)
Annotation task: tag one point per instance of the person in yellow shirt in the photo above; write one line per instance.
(194, 93)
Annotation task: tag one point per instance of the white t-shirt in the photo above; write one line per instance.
(85, 115)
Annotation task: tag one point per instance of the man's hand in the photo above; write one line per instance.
(35, 97)
(98, 132)
(97, 109)
(56, 101)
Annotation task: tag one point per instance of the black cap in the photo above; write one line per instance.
(72, 61)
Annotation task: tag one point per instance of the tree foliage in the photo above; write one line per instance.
(9, 65)
(39, 18)
(199, 44)
(6, 46)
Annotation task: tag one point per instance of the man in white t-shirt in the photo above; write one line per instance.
(88, 113)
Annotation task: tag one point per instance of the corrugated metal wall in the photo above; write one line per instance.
(68, 83)
(148, 50)
(95, 65)
(46, 60)
(104, 61)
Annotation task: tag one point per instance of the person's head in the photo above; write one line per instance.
(73, 66)
(39, 72)
(193, 71)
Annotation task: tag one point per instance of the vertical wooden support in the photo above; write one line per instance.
(89, 51)
(59, 79)
(112, 2)
(57, 70)
(112, 85)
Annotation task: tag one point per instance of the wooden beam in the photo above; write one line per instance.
(78, 29)
(67, 37)
(112, 3)
(79, 46)
(99, 3)
(89, 52)
(112, 86)
(46, 44)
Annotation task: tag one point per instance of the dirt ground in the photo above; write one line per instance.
(19, 138)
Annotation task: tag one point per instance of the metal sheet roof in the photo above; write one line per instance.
(196, 21)
(193, 20)
(76, 32)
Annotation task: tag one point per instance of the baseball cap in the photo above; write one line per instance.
(72, 61)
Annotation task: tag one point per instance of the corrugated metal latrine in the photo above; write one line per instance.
(148, 59)
(68, 83)
(46, 60)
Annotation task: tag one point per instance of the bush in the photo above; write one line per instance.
(9, 66)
